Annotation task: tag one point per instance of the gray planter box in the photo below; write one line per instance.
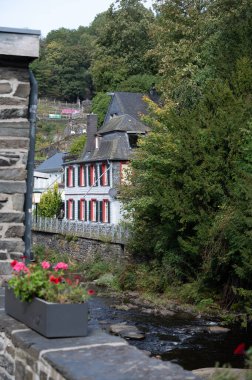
(49, 319)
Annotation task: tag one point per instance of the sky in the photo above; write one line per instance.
(46, 15)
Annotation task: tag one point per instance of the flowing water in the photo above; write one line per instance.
(181, 338)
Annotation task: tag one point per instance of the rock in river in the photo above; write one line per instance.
(126, 331)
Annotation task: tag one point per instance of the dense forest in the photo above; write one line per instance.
(189, 200)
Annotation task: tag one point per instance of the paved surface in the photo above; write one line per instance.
(98, 356)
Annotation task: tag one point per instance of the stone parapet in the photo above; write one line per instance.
(24, 354)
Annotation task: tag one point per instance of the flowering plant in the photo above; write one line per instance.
(51, 282)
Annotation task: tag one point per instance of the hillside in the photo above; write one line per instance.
(58, 125)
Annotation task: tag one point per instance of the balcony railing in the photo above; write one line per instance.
(96, 231)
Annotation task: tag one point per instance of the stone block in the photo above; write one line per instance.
(5, 88)
(12, 245)
(8, 159)
(13, 129)
(19, 370)
(4, 376)
(18, 202)
(9, 73)
(3, 255)
(3, 200)
(11, 217)
(5, 269)
(28, 374)
(13, 112)
(10, 187)
(33, 364)
(23, 90)
(7, 364)
(42, 375)
(9, 101)
(15, 231)
(17, 174)
(14, 143)
(10, 350)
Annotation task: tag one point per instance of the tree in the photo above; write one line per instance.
(62, 70)
(100, 105)
(190, 192)
(122, 43)
(50, 203)
(179, 32)
(77, 145)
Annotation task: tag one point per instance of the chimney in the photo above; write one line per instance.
(91, 132)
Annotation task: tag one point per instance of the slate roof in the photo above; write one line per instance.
(123, 123)
(114, 142)
(115, 147)
(52, 164)
(130, 103)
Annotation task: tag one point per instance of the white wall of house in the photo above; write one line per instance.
(97, 193)
(45, 181)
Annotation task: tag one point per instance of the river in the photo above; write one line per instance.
(181, 338)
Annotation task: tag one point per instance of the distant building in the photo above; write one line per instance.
(48, 173)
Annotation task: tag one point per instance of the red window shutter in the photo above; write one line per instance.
(81, 209)
(82, 176)
(103, 174)
(70, 177)
(103, 211)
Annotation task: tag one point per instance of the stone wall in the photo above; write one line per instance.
(14, 145)
(26, 355)
(17, 49)
(80, 248)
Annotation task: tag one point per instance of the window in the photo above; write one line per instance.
(70, 209)
(82, 175)
(82, 210)
(104, 174)
(92, 175)
(133, 139)
(93, 210)
(105, 211)
(70, 176)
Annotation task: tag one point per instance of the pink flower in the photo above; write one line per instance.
(18, 267)
(61, 265)
(45, 265)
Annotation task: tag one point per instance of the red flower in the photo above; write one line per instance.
(56, 280)
(90, 292)
(240, 349)
(13, 263)
(68, 281)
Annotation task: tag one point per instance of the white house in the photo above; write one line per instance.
(91, 182)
